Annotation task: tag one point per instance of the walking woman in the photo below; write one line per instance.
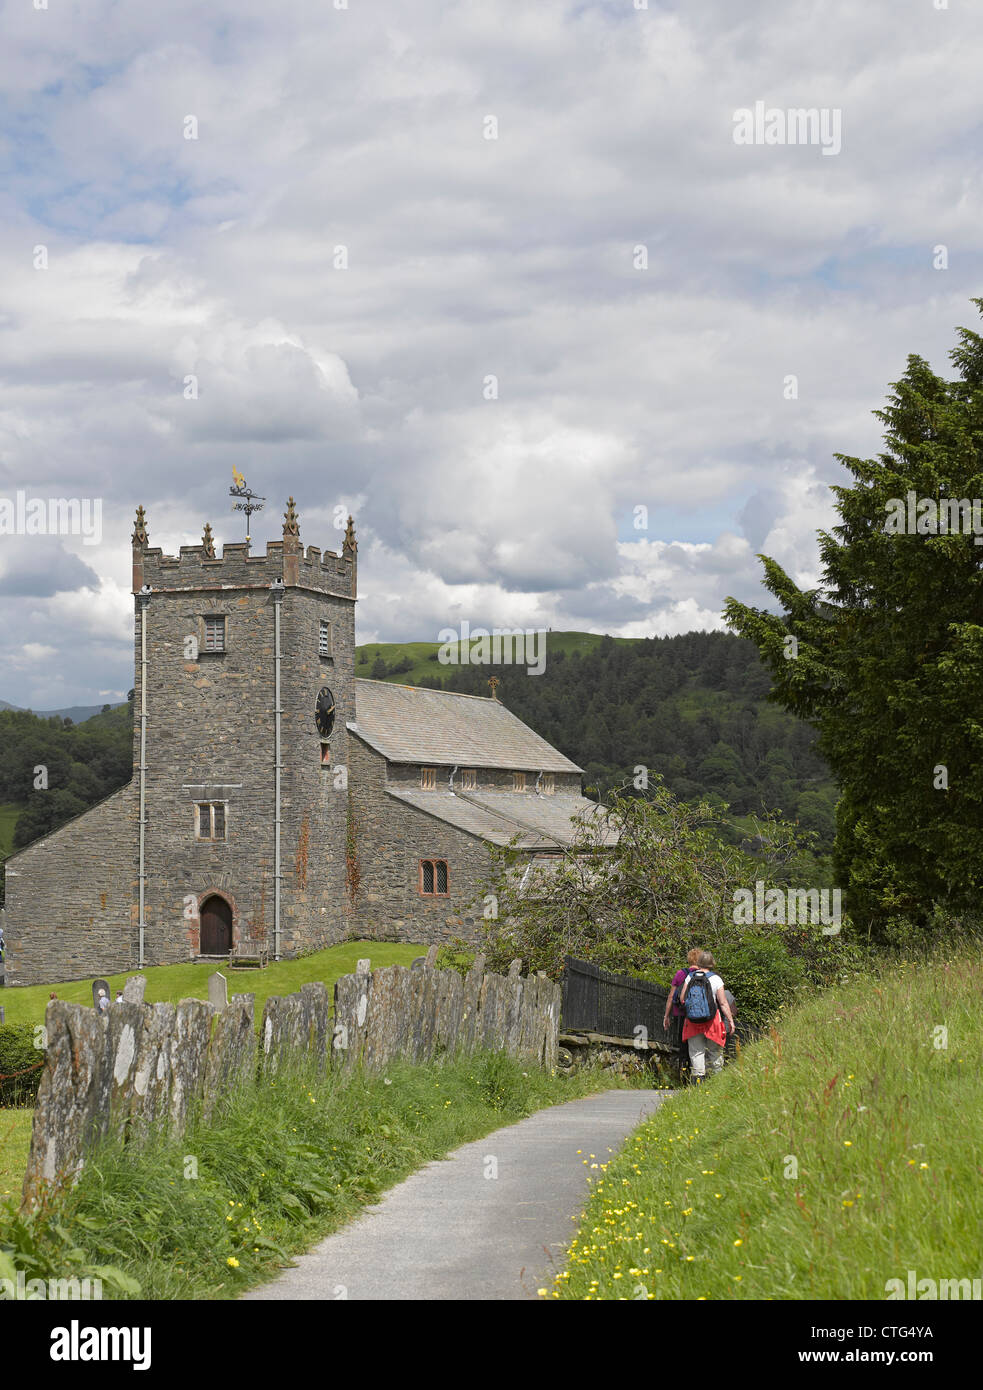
(673, 1005)
(706, 1039)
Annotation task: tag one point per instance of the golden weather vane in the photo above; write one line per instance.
(251, 501)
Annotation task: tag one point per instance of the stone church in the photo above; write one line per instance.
(276, 797)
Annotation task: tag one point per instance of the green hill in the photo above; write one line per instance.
(83, 762)
(78, 714)
(416, 663)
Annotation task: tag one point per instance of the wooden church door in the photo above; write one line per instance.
(216, 927)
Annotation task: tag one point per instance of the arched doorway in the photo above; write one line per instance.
(216, 926)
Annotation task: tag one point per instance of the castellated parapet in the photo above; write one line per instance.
(325, 572)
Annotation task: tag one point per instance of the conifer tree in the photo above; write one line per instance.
(885, 658)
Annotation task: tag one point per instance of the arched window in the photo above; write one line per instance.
(433, 878)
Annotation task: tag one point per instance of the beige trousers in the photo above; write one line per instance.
(701, 1049)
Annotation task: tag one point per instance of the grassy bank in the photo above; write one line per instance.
(834, 1156)
(173, 982)
(290, 1161)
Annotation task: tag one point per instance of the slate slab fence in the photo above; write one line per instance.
(143, 1069)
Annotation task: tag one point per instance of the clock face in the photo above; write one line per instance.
(324, 712)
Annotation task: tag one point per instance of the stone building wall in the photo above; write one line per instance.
(315, 800)
(70, 897)
(210, 737)
(391, 839)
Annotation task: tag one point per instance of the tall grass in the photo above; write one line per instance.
(835, 1155)
(288, 1161)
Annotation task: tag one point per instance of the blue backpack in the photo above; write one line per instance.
(699, 1004)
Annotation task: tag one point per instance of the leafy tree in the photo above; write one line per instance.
(666, 885)
(887, 657)
(82, 763)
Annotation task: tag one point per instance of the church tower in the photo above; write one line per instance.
(244, 685)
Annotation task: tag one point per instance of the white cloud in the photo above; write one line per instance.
(362, 387)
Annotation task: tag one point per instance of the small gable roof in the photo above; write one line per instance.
(408, 724)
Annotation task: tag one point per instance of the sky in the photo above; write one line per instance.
(496, 278)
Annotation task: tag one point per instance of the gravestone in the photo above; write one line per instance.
(134, 988)
(218, 990)
(100, 987)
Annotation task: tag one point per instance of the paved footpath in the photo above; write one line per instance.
(450, 1232)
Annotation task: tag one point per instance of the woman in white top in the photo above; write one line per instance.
(707, 1039)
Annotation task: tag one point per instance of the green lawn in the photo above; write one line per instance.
(833, 1157)
(9, 811)
(15, 1142)
(174, 982)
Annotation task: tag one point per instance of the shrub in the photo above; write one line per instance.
(762, 976)
(943, 929)
(20, 1065)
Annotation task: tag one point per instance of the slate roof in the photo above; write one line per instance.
(528, 821)
(439, 728)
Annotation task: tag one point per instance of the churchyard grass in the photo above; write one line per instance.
(174, 982)
(287, 1162)
(835, 1155)
(15, 1142)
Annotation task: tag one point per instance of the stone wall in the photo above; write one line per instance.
(71, 896)
(139, 1070)
(145, 1069)
(422, 1012)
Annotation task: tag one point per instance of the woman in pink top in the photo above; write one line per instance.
(672, 1003)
